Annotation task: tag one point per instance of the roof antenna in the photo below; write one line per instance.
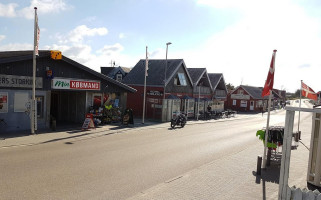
(242, 81)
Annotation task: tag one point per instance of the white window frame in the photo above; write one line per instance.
(243, 104)
(234, 102)
(181, 79)
(119, 77)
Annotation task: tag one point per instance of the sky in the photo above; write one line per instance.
(233, 37)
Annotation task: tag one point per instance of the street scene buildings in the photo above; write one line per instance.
(70, 94)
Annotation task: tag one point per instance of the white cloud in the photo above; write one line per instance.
(121, 36)
(111, 49)
(8, 10)
(43, 7)
(2, 37)
(243, 50)
(16, 47)
(83, 54)
(77, 35)
(72, 45)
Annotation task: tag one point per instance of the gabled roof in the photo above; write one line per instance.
(106, 70)
(13, 56)
(216, 80)
(156, 72)
(254, 92)
(111, 71)
(196, 74)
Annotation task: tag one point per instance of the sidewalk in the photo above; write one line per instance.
(24, 138)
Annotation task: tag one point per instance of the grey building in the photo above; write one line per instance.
(65, 90)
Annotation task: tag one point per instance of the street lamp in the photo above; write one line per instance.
(168, 43)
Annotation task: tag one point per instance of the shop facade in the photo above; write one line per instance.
(161, 105)
(65, 90)
(219, 96)
(187, 90)
(247, 99)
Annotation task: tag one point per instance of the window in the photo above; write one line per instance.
(234, 102)
(40, 101)
(243, 104)
(119, 77)
(240, 92)
(21, 100)
(180, 80)
(3, 102)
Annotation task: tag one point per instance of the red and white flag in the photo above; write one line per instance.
(270, 78)
(307, 92)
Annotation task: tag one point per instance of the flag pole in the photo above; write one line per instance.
(267, 130)
(268, 88)
(300, 107)
(33, 99)
(144, 101)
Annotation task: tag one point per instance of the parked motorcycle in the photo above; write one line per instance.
(180, 120)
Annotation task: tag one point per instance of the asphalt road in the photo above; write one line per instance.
(119, 166)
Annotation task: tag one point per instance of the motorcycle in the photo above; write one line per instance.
(179, 120)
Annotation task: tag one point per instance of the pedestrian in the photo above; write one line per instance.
(209, 109)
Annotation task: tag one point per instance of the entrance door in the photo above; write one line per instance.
(54, 105)
(252, 105)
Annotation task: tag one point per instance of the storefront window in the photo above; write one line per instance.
(21, 100)
(3, 102)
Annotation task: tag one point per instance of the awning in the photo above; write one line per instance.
(172, 97)
(206, 99)
(187, 97)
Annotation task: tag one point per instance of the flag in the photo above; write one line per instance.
(270, 78)
(307, 92)
(37, 34)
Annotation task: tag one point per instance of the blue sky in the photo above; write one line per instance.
(232, 37)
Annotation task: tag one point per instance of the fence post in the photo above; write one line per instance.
(286, 154)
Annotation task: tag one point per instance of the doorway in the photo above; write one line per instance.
(252, 105)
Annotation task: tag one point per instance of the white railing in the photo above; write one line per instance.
(304, 194)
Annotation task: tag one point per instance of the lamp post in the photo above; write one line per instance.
(168, 43)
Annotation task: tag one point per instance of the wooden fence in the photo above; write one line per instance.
(304, 194)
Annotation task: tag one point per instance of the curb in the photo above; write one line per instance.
(150, 125)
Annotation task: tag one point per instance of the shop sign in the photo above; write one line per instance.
(19, 81)
(240, 96)
(68, 84)
(154, 93)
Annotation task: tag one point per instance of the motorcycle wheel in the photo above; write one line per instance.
(173, 124)
(183, 123)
